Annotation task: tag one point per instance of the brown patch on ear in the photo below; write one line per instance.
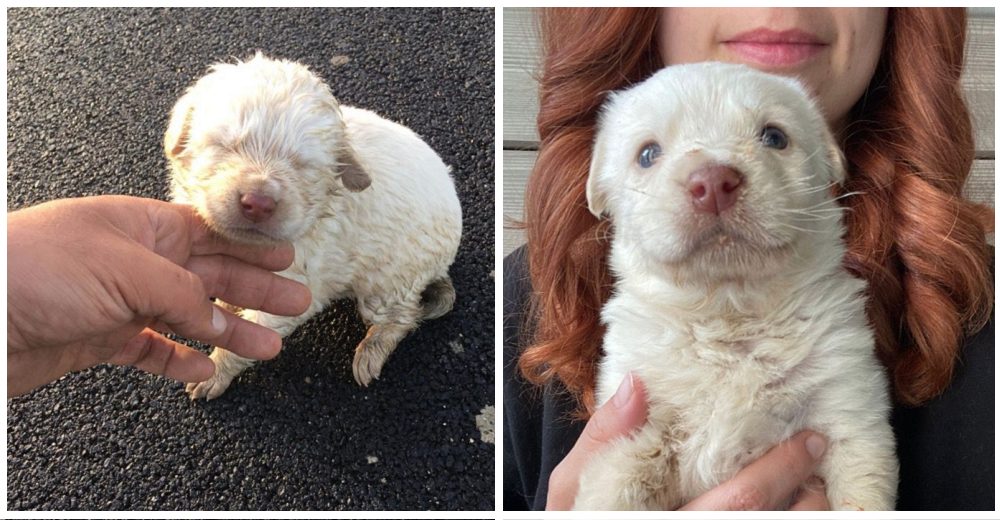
(176, 137)
(352, 174)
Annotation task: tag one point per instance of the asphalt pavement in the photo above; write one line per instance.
(89, 92)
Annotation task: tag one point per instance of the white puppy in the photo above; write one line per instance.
(731, 303)
(264, 152)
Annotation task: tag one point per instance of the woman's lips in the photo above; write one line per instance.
(780, 49)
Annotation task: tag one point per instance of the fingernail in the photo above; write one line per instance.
(816, 445)
(624, 392)
(218, 320)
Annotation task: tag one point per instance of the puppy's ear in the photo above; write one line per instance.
(175, 140)
(835, 157)
(352, 173)
(597, 200)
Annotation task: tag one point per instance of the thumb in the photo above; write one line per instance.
(623, 413)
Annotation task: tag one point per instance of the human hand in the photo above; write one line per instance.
(623, 413)
(780, 478)
(92, 280)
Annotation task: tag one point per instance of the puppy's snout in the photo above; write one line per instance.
(257, 207)
(714, 188)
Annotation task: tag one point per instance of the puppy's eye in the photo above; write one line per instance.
(648, 154)
(773, 137)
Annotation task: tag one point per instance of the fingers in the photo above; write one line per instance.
(770, 481)
(811, 497)
(178, 232)
(623, 413)
(248, 339)
(153, 353)
(179, 304)
(250, 287)
(176, 299)
(273, 258)
(157, 288)
(206, 242)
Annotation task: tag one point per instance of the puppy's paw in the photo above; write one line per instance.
(369, 358)
(873, 502)
(210, 389)
(367, 364)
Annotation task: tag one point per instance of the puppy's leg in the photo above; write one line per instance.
(388, 323)
(860, 469)
(633, 474)
(229, 365)
(859, 466)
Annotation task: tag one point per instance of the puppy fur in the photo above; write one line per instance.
(743, 325)
(369, 207)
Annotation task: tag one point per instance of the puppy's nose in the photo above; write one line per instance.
(257, 207)
(714, 188)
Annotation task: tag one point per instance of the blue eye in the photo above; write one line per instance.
(648, 154)
(773, 137)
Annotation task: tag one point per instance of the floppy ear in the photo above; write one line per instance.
(596, 198)
(352, 173)
(175, 140)
(835, 157)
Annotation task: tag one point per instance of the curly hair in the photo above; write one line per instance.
(909, 148)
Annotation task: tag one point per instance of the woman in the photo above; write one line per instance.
(895, 103)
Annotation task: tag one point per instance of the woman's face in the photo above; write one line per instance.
(834, 51)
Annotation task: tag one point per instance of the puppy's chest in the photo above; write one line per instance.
(744, 354)
(323, 261)
(722, 390)
(728, 356)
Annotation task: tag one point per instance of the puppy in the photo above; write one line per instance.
(730, 302)
(264, 153)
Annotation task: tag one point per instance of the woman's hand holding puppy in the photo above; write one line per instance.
(782, 478)
(92, 280)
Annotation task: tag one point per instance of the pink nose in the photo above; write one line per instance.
(714, 188)
(256, 207)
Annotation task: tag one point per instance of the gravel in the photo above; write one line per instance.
(89, 92)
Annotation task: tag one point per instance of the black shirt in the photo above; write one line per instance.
(945, 447)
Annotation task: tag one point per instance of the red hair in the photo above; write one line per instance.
(909, 147)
